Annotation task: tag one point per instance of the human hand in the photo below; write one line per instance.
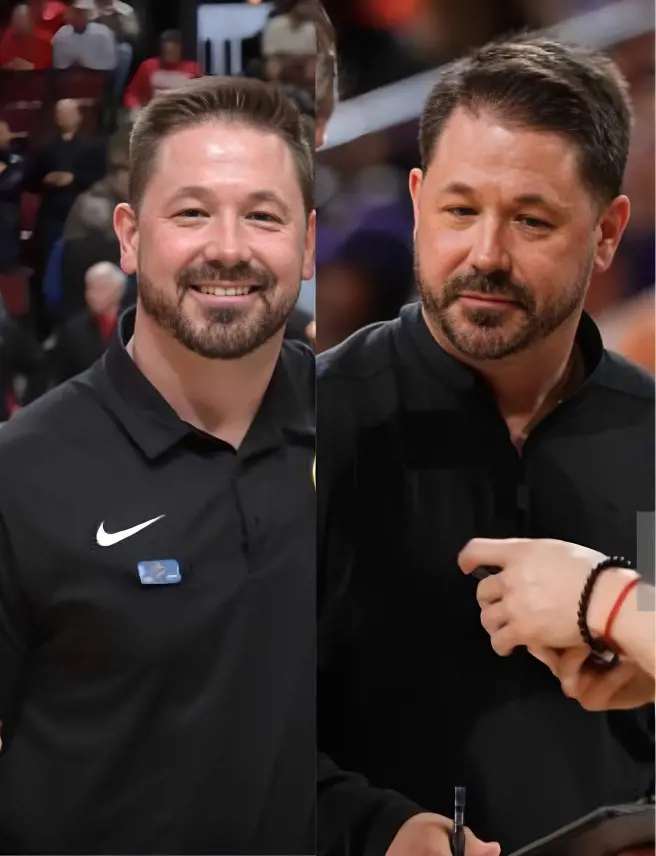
(65, 178)
(623, 687)
(428, 835)
(19, 64)
(533, 600)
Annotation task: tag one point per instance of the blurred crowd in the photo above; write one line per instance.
(364, 243)
(72, 82)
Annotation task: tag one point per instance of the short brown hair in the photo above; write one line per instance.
(546, 85)
(210, 99)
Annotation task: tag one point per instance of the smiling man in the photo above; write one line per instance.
(491, 409)
(157, 523)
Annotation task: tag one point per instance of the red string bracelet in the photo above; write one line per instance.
(628, 588)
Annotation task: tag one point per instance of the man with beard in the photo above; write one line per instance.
(157, 523)
(490, 409)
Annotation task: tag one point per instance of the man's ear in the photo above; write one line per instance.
(610, 229)
(127, 231)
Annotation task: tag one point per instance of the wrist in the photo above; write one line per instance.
(607, 589)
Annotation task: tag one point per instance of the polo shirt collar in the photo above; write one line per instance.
(155, 427)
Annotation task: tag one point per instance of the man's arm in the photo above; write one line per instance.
(60, 54)
(104, 49)
(353, 817)
(130, 26)
(138, 91)
(14, 626)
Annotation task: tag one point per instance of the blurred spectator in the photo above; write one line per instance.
(24, 47)
(89, 235)
(367, 280)
(84, 338)
(20, 358)
(119, 17)
(289, 35)
(326, 69)
(166, 71)
(12, 176)
(123, 22)
(629, 329)
(93, 211)
(83, 42)
(300, 326)
(48, 15)
(289, 46)
(639, 335)
(60, 171)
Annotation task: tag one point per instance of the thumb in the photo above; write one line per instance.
(475, 847)
(487, 551)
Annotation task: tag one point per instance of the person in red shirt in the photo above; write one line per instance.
(24, 46)
(48, 15)
(167, 71)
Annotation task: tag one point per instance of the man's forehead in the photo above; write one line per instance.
(488, 139)
(223, 135)
(206, 155)
(492, 154)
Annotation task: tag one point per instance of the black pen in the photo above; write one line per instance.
(458, 833)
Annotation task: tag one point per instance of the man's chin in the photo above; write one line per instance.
(485, 343)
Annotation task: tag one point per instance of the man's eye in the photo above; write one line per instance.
(264, 217)
(460, 211)
(191, 213)
(534, 222)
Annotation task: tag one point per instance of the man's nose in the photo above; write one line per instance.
(228, 244)
(489, 251)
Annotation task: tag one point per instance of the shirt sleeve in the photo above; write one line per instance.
(138, 91)
(105, 53)
(60, 54)
(130, 25)
(353, 816)
(14, 624)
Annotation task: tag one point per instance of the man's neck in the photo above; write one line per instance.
(528, 385)
(220, 397)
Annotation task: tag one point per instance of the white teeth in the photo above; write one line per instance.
(226, 292)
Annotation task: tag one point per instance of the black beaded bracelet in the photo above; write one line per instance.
(603, 655)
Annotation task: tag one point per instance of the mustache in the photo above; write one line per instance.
(497, 284)
(216, 272)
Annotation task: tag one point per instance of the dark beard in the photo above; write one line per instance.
(488, 334)
(228, 333)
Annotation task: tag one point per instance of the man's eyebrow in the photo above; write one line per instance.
(458, 187)
(537, 199)
(190, 190)
(271, 196)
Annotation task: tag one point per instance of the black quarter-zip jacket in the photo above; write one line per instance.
(414, 459)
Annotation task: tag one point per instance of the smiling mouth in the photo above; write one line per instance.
(226, 291)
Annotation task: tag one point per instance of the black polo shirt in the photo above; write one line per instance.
(143, 714)
(414, 459)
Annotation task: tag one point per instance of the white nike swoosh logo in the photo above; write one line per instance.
(107, 539)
